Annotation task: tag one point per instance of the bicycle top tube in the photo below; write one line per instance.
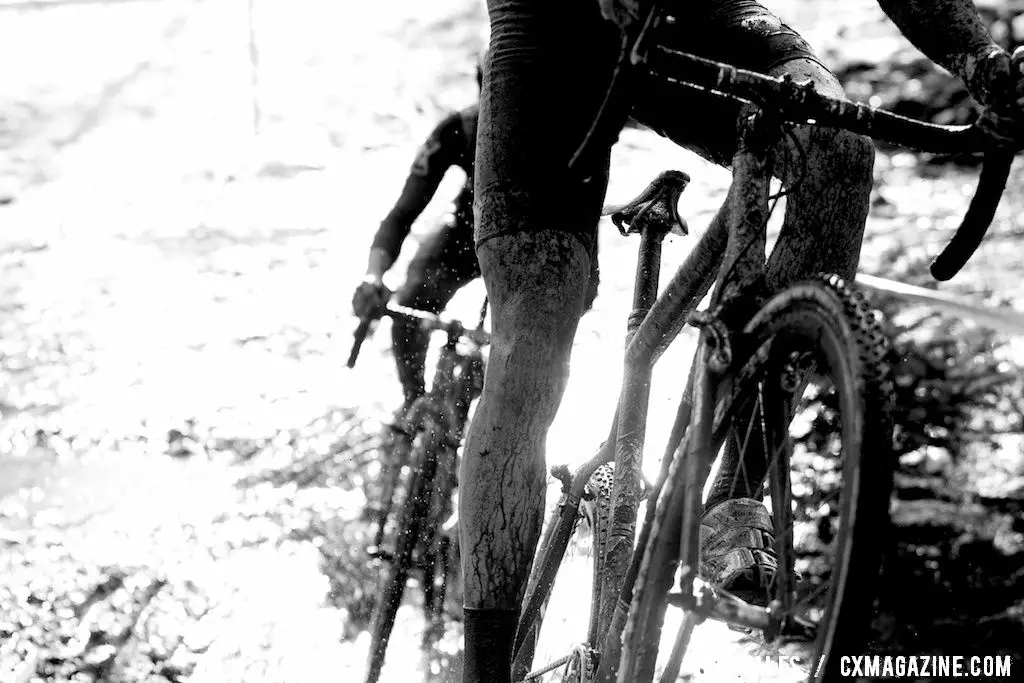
(799, 103)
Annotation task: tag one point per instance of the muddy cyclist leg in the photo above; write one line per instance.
(547, 71)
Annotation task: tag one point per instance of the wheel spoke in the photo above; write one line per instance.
(819, 589)
(778, 466)
(814, 337)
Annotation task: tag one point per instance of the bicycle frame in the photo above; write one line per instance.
(737, 251)
(458, 380)
(653, 324)
(737, 289)
(458, 376)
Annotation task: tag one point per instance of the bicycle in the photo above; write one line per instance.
(766, 360)
(421, 464)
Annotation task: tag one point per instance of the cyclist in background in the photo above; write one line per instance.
(446, 261)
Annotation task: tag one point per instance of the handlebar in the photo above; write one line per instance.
(799, 103)
(429, 321)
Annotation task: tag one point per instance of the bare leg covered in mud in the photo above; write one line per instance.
(536, 235)
(536, 283)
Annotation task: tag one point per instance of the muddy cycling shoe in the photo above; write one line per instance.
(737, 549)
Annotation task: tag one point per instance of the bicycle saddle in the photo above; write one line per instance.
(655, 207)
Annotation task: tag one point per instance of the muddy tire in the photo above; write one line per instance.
(809, 331)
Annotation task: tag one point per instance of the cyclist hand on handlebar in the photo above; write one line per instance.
(444, 262)
(370, 297)
(997, 80)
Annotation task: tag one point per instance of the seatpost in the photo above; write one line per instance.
(653, 215)
(648, 268)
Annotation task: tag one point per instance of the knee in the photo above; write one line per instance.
(417, 294)
(537, 283)
(528, 334)
(855, 153)
(406, 338)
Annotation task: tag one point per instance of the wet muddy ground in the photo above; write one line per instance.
(182, 454)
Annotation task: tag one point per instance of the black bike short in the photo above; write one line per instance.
(445, 261)
(550, 63)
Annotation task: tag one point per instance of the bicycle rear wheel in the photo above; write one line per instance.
(805, 406)
(414, 517)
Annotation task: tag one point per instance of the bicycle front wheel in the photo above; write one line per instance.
(414, 516)
(802, 422)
